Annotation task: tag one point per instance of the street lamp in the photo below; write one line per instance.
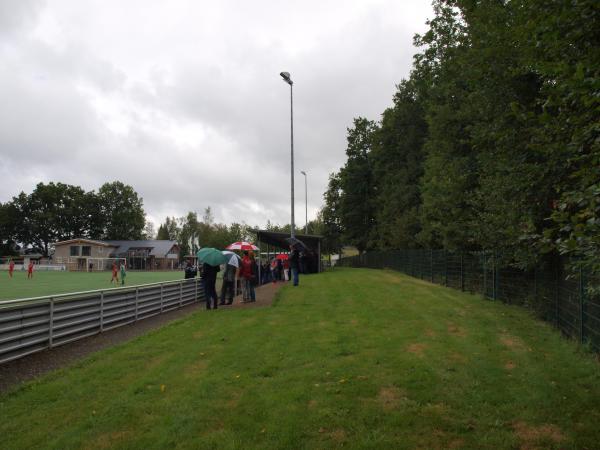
(288, 80)
(305, 202)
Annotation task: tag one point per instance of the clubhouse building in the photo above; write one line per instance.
(88, 254)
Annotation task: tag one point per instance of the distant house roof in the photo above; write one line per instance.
(159, 249)
(83, 241)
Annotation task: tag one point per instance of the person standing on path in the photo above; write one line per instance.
(123, 274)
(228, 284)
(294, 260)
(209, 278)
(247, 272)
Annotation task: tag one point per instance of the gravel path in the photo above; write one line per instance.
(32, 366)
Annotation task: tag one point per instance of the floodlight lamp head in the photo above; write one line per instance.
(286, 77)
(303, 172)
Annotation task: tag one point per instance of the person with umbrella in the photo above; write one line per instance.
(211, 260)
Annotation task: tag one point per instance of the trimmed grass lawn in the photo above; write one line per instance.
(50, 283)
(354, 357)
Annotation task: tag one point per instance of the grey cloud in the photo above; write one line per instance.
(213, 69)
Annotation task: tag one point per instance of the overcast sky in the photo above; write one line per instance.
(183, 99)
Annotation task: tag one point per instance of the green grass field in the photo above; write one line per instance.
(355, 357)
(49, 283)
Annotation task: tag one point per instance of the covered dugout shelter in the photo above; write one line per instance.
(277, 242)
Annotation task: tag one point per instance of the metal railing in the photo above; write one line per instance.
(34, 324)
(557, 290)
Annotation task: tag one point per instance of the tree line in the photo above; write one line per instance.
(492, 142)
(192, 232)
(57, 211)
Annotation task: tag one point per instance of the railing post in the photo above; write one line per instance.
(180, 293)
(195, 289)
(101, 311)
(51, 325)
(161, 297)
(136, 304)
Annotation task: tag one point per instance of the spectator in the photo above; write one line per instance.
(209, 279)
(294, 260)
(228, 286)
(247, 272)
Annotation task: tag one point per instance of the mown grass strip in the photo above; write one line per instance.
(359, 357)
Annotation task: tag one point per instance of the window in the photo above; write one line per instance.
(86, 250)
(74, 250)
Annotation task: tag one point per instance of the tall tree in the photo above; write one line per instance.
(51, 213)
(398, 166)
(357, 206)
(9, 224)
(123, 211)
(331, 215)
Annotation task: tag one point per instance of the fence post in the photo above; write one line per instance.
(101, 311)
(581, 303)
(51, 328)
(431, 265)
(445, 268)
(494, 276)
(196, 289)
(535, 288)
(161, 297)
(557, 293)
(136, 304)
(484, 275)
(462, 274)
(180, 293)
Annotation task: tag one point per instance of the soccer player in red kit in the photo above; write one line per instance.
(30, 270)
(115, 274)
(11, 268)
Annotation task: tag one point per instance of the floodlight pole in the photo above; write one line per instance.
(286, 77)
(305, 202)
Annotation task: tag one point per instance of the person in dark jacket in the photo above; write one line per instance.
(228, 286)
(209, 278)
(294, 260)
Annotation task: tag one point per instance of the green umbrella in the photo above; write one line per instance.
(211, 256)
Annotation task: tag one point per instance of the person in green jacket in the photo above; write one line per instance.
(123, 274)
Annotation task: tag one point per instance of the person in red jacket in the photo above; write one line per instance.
(248, 275)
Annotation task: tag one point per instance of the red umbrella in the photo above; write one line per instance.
(282, 256)
(241, 245)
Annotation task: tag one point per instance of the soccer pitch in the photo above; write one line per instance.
(51, 283)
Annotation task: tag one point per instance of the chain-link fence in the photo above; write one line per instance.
(556, 290)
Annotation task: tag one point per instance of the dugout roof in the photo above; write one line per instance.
(281, 240)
